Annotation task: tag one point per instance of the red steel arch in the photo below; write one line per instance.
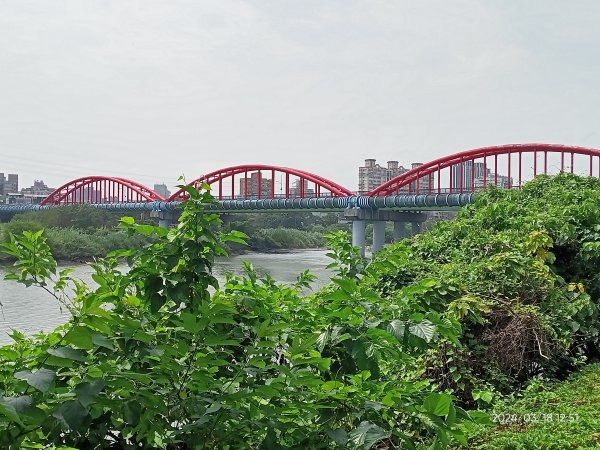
(297, 187)
(502, 165)
(100, 189)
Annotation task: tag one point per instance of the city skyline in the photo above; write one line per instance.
(372, 175)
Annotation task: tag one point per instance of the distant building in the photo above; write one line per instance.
(295, 190)
(476, 176)
(87, 195)
(372, 175)
(470, 172)
(501, 181)
(9, 185)
(38, 188)
(33, 194)
(161, 189)
(426, 183)
(249, 186)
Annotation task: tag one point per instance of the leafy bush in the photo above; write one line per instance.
(151, 360)
(520, 270)
(21, 223)
(285, 238)
(72, 244)
(386, 356)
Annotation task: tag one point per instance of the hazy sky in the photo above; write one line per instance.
(151, 90)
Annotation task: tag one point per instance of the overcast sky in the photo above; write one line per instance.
(151, 90)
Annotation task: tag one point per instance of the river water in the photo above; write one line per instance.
(30, 310)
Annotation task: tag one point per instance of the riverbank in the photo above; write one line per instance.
(83, 245)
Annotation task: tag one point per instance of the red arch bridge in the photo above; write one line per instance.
(445, 183)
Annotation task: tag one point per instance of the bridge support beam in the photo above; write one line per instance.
(378, 235)
(358, 235)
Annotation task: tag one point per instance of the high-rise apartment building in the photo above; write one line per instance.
(476, 176)
(9, 185)
(470, 172)
(500, 181)
(161, 189)
(372, 174)
(295, 190)
(249, 186)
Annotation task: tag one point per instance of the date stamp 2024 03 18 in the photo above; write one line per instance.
(507, 418)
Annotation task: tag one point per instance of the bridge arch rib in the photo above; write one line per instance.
(101, 189)
(292, 183)
(507, 166)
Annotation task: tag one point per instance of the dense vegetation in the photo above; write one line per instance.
(81, 233)
(402, 352)
(520, 270)
(283, 231)
(75, 233)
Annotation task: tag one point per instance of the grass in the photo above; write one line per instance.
(562, 416)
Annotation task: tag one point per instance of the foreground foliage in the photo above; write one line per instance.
(397, 353)
(151, 359)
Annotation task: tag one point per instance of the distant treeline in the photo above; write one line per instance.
(80, 232)
(75, 233)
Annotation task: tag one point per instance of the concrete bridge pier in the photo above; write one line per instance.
(360, 216)
(399, 231)
(358, 234)
(378, 235)
(165, 219)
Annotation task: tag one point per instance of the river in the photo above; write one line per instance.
(30, 310)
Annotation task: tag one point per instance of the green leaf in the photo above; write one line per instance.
(100, 340)
(80, 337)
(424, 329)
(88, 391)
(41, 380)
(397, 328)
(349, 286)
(235, 236)
(484, 395)
(14, 407)
(127, 220)
(146, 230)
(339, 435)
(132, 410)
(367, 434)
(67, 353)
(72, 414)
(480, 417)
(438, 404)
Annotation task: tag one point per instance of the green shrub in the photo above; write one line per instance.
(21, 223)
(519, 268)
(285, 238)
